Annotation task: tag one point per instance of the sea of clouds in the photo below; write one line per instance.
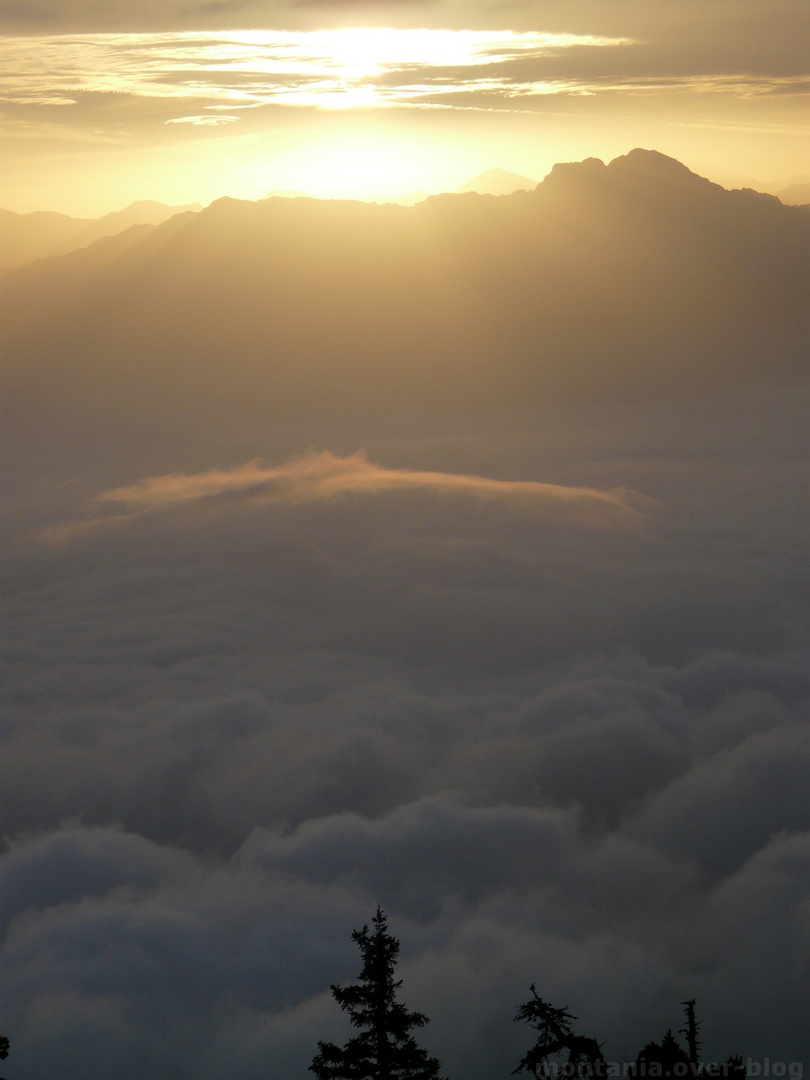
(537, 684)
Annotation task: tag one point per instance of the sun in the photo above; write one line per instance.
(359, 166)
(365, 51)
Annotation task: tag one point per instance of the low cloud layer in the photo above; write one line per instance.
(559, 731)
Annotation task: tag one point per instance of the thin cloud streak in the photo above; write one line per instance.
(326, 477)
(333, 69)
(204, 121)
(326, 68)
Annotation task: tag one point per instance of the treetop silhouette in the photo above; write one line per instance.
(690, 1030)
(669, 1059)
(664, 1059)
(556, 1036)
(385, 1048)
(585, 1061)
(4, 1048)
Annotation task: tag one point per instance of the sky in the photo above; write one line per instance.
(106, 102)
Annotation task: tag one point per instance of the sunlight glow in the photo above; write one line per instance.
(358, 68)
(93, 120)
(355, 165)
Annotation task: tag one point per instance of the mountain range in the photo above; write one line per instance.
(498, 182)
(489, 182)
(795, 194)
(24, 237)
(633, 278)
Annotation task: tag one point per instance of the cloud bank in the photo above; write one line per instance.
(246, 704)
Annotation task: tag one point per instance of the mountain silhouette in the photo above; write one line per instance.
(42, 233)
(795, 194)
(498, 182)
(633, 278)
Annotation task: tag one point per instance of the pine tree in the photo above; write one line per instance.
(690, 1030)
(555, 1036)
(665, 1059)
(385, 1049)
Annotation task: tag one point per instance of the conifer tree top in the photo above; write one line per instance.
(385, 1049)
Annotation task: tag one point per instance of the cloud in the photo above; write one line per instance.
(321, 476)
(281, 50)
(366, 67)
(236, 961)
(325, 477)
(270, 697)
(359, 3)
(73, 863)
(326, 68)
(204, 121)
(424, 853)
(751, 793)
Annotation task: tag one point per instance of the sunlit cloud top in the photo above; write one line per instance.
(325, 68)
(326, 477)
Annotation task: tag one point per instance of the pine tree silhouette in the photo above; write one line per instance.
(385, 1049)
(555, 1036)
(669, 1059)
(690, 1030)
(665, 1059)
(4, 1048)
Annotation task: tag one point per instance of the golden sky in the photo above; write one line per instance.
(105, 101)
